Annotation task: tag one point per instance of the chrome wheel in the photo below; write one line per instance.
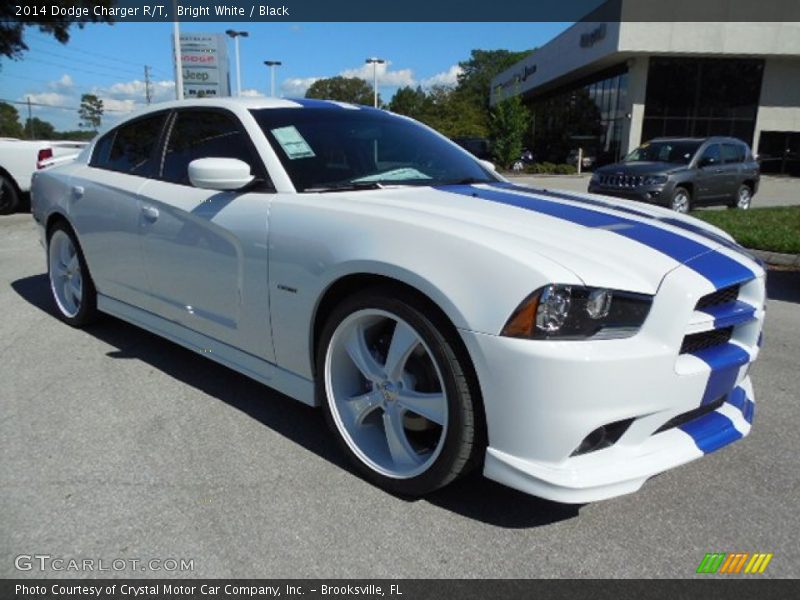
(386, 393)
(744, 198)
(680, 201)
(66, 277)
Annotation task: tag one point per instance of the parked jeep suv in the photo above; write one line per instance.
(683, 172)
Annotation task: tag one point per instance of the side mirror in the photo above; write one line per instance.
(224, 174)
(487, 164)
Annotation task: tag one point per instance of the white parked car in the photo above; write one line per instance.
(570, 345)
(19, 159)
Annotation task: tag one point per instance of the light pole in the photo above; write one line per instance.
(176, 33)
(375, 62)
(236, 35)
(272, 64)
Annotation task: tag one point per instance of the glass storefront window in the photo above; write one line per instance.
(699, 97)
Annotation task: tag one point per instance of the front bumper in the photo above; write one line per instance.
(652, 194)
(543, 398)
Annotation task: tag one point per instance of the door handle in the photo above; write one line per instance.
(150, 213)
(77, 191)
(718, 171)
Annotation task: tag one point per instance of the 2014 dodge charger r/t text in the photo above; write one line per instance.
(569, 345)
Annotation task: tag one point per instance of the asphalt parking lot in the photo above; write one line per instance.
(117, 444)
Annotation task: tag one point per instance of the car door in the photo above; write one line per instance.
(711, 177)
(106, 210)
(733, 156)
(206, 251)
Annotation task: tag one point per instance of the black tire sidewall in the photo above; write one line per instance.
(461, 413)
(88, 309)
(9, 201)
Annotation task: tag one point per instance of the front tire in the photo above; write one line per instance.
(395, 393)
(681, 200)
(70, 283)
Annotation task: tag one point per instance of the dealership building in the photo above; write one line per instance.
(607, 86)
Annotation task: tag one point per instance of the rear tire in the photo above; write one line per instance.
(70, 283)
(9, 196)
(681, 201)
(395, 394)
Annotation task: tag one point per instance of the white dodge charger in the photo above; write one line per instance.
(569, 345)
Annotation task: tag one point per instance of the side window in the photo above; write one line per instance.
(102, 150)
(132, 149)
(711, 156)
(733, 153)
(205, 134)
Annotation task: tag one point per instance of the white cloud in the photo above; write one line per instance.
(386, 76)
(48, 99)
(252, 93)
(296, 87)
(65, 83)
(135, 91)
(447, 78)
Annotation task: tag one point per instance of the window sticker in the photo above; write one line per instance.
(293, 143)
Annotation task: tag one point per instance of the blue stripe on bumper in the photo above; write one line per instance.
(719, 269)
(732, 313)
(725, 362)
(711, 432)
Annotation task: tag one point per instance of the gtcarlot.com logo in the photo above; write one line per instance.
(46, 562)
(734, 563)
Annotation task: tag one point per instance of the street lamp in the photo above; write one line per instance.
(375, 62)
(272, 64)
(236, 35)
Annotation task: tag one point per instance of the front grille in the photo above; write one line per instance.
(723, 296)
(691, 415)
(706, 339)
(621, 180)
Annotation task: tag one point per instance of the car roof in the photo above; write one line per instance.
(713, 138)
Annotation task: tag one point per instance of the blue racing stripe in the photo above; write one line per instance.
(731, 313)
(719, 269)
(314, 103)
(711, 432)
(702, 231)
(725, 362)
(739, 399)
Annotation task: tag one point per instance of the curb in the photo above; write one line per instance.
(777, 258)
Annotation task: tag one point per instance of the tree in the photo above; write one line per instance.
(477, 73)
(342, 89)
(12, 27)
(9, 121)
(509, 121)
(90, 112)
(38, 129)
(414, 103)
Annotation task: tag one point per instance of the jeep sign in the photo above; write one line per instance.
(204, 63)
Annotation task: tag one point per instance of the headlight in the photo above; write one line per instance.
(595, 178)
(576, 312)
(654, 179)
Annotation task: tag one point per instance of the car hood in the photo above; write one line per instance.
(604, 241)
(640, 168)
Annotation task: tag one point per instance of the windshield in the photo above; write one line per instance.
(679, 152)
(325, 149)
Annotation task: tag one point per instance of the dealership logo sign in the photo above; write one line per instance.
(595, 35)
(734, 563)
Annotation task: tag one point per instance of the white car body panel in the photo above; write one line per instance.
(19, 157)
(238, 277)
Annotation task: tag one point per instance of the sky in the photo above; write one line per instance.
(108, 60)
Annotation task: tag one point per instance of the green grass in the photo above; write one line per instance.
(776, 229)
